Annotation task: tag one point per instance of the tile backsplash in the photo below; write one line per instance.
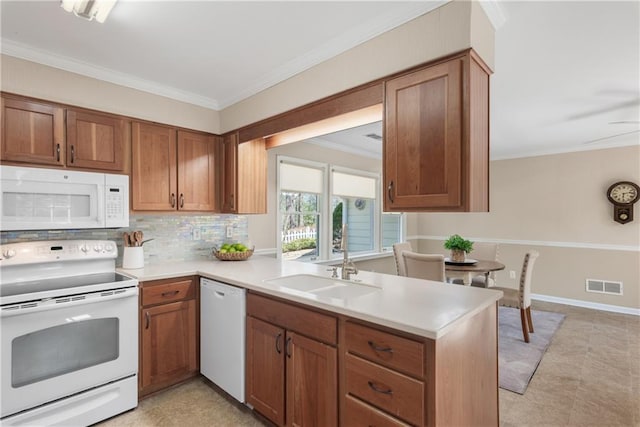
(176, 237)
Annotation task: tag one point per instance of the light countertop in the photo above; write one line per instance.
(421, 307)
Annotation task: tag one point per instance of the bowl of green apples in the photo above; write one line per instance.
(233, 252)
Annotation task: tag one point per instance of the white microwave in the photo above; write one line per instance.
(53, 199)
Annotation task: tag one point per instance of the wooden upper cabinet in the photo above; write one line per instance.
(436, 144)
(94, 141)
(196, 172)
(153, 167)
(244, 181)
(172, 170)
(32, 132)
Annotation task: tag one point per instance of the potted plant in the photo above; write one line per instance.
(458, 247)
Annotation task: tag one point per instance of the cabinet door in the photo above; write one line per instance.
(32, 132)
(196, 172)
(169, 348)
(252, 177)
(312, 382)
(423, 139)
(153, 168)
(265, 369)
(94, 141)
(230, 173)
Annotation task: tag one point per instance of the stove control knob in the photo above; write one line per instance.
(109, 248)
(9, 253)
(97, 248)
(84, 248)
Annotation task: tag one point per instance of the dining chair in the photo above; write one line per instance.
(521, 297)
(485, 251)
(424, 266)
(398, 248)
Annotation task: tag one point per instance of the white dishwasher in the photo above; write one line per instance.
(222, 335)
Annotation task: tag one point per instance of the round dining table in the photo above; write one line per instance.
(466, 271)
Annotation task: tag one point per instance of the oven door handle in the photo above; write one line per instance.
(60, 302)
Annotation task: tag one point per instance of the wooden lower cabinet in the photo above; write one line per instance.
(265, 369)
(298, 358)
(291, 379)
(168, 333)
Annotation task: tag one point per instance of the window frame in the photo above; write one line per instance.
(325, 225)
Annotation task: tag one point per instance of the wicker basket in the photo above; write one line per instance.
(233, 256)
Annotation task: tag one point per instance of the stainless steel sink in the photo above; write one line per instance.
(323, 287)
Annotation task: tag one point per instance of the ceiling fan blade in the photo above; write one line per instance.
(609, 137)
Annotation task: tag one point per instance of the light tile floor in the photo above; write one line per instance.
(589, 376)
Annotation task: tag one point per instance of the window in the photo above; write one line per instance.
(316, 199)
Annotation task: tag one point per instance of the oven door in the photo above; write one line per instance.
(57, 347)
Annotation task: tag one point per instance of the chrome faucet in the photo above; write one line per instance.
(348, 267)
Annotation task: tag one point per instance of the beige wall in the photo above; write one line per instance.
(53, 84)
(262, 228)
(557, 205)
(440, 32)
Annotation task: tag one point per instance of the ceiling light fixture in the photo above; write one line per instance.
(89, 9)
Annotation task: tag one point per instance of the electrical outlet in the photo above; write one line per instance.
(229, 231)
(512, 274)
(195, 233)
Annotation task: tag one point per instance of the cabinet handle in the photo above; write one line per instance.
(278, 349)
(170, 294)
(375, 388)
(73, 154)
(375, 347)
(173, 200)
(389, 191)
(57, 152)
(148, 319)
(181, 200)
(287, 346)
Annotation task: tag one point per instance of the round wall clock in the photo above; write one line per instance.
(360, 203)
(623, 195)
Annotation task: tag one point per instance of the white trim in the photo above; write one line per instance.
(344, 148)
(72, 65)
(587, 304)
(494, 12)
(579, 245)
(561, 150)
(332, 48)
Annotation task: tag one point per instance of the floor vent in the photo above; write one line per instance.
(604, 286)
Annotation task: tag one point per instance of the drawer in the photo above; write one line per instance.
(315, 325)
(383, 388)
(359, 414)
(168, 291)
(390, 350)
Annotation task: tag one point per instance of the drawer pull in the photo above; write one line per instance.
(170, 294)
(375, 347)
(375, 388)
(278, 349)
(287, 346)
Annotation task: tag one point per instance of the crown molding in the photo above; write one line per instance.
(334, 47)
(494, 12)
(72, 65)
(564, 150)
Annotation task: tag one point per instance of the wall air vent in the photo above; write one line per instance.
(604, 286)
(374, 136)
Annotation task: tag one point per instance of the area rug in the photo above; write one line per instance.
(517, 360)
